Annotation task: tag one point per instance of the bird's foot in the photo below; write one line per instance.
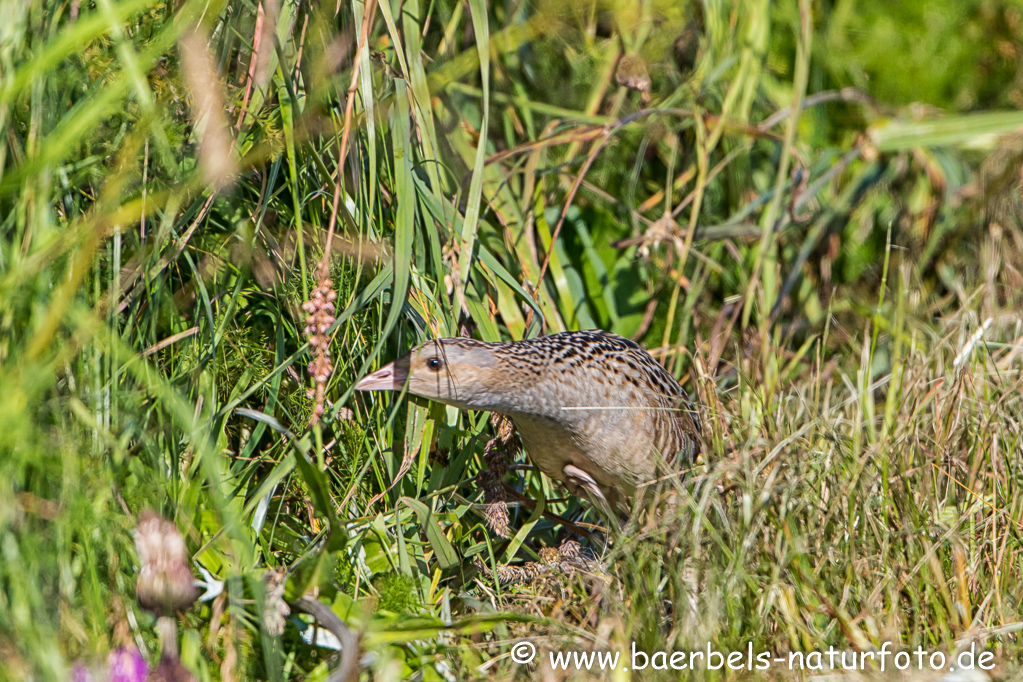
(578, 479)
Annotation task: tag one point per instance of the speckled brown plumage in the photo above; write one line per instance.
(594, 410)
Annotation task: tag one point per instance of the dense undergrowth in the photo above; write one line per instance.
(841, 290)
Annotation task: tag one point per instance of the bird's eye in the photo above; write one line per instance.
(434, 364)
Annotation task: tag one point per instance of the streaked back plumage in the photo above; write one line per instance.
(594, 409)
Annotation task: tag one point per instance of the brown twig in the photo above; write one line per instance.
(257, 39)
(594, 151)
(156, 347)
(406, 466)
(367, 21)
(348, 667)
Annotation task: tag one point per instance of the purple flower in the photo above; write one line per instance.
(79, 673)
(126, 665)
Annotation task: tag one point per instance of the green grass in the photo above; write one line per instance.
(841, 291)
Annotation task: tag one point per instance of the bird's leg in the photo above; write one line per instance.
(578, 478)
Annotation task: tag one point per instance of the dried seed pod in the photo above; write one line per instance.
(632, 73)
(165, 581)
(275, 609)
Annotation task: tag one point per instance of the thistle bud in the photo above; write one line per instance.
(165, 582)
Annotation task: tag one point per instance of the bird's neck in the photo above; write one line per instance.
(518, 401)
(512, 392)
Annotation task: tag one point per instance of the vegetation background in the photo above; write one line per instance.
(809, 210)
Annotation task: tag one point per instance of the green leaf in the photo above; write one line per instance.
(478, 10)
(442, 549)
(405, 194)
(368, 104)
(979, 131)
(71, 39)
(520, 537)
(319, 488)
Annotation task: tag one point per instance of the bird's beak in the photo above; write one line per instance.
(387, 378)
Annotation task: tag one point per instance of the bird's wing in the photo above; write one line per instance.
(690, 433)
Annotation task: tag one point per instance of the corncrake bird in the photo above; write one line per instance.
(593, 409)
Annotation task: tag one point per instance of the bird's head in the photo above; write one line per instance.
(457, 372)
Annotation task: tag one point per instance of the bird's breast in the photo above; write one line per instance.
(606, 421)
(605, 443)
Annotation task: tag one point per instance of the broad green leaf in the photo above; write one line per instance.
(980, 131)
(520, 537)
(405, 194)
(442, 549)
(368, 104)
(472, 210)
